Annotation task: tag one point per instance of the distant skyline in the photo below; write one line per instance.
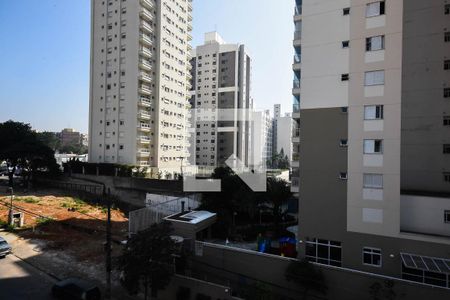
(46, 44)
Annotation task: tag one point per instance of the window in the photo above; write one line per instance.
(447, 64)
(373, 181)
(447, 36)
(372, 256)
(432, 278)
(345, 44)
(345, 77)
(373, 112)
(446, 121)
(446, 176)
(373, 146)
(375, 43)
(447, 216)
(343, 143)
(374, 78)
(446, 92)
(324, 252)
(447, 9)
(346, 11)
(344, 110)
(343, 176)
(446, 149)
(375, 9)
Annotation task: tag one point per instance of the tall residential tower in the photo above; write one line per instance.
(140, 82)
(221, 85)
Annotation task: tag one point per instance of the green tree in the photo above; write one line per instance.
(147, 260)
(21, 147)
(278, 193)
(306, 275)
(50, 139)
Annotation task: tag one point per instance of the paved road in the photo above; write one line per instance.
(20, 281)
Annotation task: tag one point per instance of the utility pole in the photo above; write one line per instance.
(11, 212)
(108, 244)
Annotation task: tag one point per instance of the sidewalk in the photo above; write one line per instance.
(59, 265)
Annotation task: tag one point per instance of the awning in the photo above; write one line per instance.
(425, 263)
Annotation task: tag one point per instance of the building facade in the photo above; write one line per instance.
(262, 138)
(139, 88)
(375, 135)
(221, 88)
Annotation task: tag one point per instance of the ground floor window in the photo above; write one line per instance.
(433, 278)
(324, 252)
(372, 256)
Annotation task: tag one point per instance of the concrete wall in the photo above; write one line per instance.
(423, 105)
(421, 214)
(226, 264)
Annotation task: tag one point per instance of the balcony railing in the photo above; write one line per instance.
(296, 84)
(145, 51)
(146, 14)
(298, 10)
(145, 77)
(146, 26)
(296, 132)
(145, 39)
(144, 139)
(147, 3)
(297, 58)
(298, 35)
(145, 64)
(295, 108)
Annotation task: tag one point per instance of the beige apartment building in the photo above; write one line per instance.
(221, 83)
(373, 85)
(140, 82)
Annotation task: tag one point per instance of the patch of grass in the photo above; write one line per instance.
(28, 200)
(3, 224)
(65, 205)
(43, 221)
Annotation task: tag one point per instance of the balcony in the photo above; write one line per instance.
(296, 135)
(143, 152)
(297, 13)
(295, 184)
(189, 27)
(297, 64)
(145, 77)
(189, 6)
(144, 127)
(297, 38)
(144, 64)
(145, 140)
(189, 17)
(189, 75)
(146, 90)
(148, 3)
(145, 102)
(295, 163)
(146, 27)
(145, 13)
(296, 111)
(189, 47)
(145, 39)
(144, 115)
(145, 52)
(296, 86)
(189, 37)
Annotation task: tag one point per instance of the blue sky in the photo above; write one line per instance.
(44, 74)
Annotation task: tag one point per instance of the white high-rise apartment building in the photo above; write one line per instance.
(262, 138)
(221, 82)
(140, 82)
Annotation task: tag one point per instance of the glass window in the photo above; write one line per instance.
(373, 112)
(375, 43)
(324, 252)
(372, 256)
(374, 181)
(374, 78)
(447, 216)
(373, 146)
(375, 9)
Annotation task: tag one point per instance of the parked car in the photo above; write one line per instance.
(76, 289)
(5, 248)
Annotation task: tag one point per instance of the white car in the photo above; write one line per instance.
(5, 248)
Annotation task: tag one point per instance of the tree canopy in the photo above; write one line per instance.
(147, 260)
(21, 147)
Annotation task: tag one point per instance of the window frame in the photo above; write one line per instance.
(447, 216)
(379, 112)
(369, 43)
(375, 83)
(381, 9)
(373, 151)
(329, 244)
(372, 186)
(370, 251)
